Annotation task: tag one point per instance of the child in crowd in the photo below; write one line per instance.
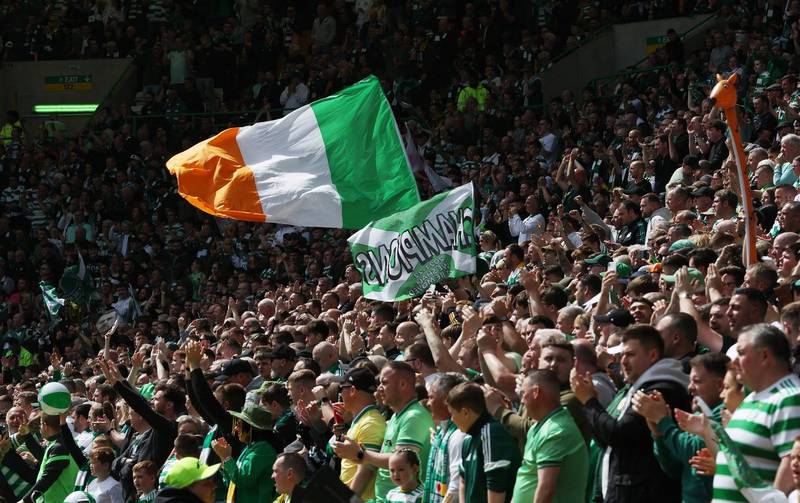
(404, 470)
(144, 480)
(104, 488)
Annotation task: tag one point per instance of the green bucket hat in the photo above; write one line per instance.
(187, 471)
(255, 416)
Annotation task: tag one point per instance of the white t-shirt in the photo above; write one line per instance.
(107, 491)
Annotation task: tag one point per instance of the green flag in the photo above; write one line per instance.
(400, 256)
(52, 303)
(77, 284)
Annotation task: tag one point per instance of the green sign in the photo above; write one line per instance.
(68, 82)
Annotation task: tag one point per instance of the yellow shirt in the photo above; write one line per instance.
(367, 429)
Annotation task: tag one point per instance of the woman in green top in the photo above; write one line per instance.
(250, 475)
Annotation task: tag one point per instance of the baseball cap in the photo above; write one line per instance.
(618, 317)
(187, 471)
(598, 259)
(694, 274)
(233, 367)
(681, 244)
(361, 379)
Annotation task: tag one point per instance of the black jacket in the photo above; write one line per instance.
(155, 444)
(634, 474)
(172, 495)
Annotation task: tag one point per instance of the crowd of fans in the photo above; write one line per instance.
(611, 326)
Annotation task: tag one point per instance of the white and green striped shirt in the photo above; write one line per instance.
(763, 428)
(397, 495)
(18, 485)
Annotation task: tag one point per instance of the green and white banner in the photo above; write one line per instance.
(400, 256)
(52, 302)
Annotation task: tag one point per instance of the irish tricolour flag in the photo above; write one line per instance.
(338, 162)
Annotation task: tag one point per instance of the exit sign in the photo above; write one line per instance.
(68, 83)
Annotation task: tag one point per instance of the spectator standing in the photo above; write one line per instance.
(367, 429)
(627, 467)
(555, 452)
(442, 479)
(489, 454)
(762, 426)
(409, 428)
(248, 474)
(323, 30)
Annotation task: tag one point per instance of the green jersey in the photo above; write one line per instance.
(65, 482)
(763, 428)
(555, 441)
(489, 460)
(147, 497)
(410, 426)
(397, 495)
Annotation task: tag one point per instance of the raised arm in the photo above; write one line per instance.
(70, 445)
(495, 371)
(705, 335)
(444, 361)
(134, 399)
(217, 415)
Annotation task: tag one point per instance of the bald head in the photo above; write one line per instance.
(354, 291)
(325, 354)
(405, 335)
(786, 239)
(266, 308)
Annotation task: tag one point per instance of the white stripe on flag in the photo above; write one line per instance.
(296, 185)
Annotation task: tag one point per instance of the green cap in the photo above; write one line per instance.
(187, 471)
(623, 270)
(694, 275)
(147, 390)
(599, 259)
(255, 416)
(681, 244)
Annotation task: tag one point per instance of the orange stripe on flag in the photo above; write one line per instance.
(212, 176)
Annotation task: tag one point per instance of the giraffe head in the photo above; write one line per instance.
(724, 93)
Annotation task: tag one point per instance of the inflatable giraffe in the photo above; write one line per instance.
(723, 96)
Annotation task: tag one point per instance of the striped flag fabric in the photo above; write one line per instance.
(750, 484)
(52, 302)
(338, 162)
(401, 256)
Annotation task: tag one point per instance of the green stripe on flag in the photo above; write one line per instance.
(366, 158)
(51, 300)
